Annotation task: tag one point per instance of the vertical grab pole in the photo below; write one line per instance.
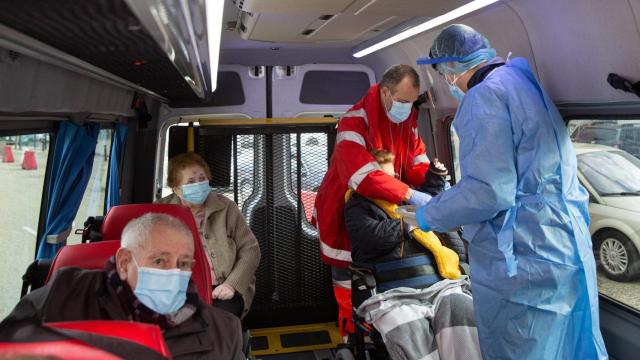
(235, 169)
(191, 138)
(299, 214)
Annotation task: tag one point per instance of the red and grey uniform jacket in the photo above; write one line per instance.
(363, 128)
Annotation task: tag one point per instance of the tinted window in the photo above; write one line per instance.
(595, 135)
(229, 91)
(333, 87)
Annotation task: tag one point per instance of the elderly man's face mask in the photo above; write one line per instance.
(159, 273)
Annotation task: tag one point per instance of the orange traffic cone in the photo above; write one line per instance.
(8, 155)
(29, 160)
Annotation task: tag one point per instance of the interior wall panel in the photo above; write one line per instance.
(499, 23)
(577, 43)
(572, 46)
(29, 85)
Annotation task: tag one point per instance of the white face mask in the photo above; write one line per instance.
(455, 91)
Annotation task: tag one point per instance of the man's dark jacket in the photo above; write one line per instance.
(76, 294)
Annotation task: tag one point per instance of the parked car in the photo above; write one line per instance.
(612, 177)
(314, 161)
(621, 136)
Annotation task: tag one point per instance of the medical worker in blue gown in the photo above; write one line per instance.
(523, 210)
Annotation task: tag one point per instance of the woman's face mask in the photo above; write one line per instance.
(196, 193)
(195, 185)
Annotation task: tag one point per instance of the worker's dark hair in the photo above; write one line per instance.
(395, 74)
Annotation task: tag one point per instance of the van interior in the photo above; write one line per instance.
(259, 98)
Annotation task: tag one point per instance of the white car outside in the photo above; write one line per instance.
(612, 177)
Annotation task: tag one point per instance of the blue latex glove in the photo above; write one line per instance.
(419, 198)
(422, 220)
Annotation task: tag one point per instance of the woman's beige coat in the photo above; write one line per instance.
(232, 247)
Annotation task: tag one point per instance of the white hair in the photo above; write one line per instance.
(136, 234)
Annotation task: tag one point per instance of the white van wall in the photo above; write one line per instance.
(572, 45)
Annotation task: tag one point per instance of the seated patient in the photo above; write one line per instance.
(147, 281)
(442, 323)
(234, 253)
(377, 233)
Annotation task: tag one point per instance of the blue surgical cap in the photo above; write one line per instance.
(459, 44)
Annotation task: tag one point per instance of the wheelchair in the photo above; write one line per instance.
(415, 271)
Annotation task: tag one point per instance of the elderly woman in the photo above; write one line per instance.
(233, 250)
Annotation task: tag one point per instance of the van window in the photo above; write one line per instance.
(608, 152)
(608, 158)
(21, 194)
(333, 87)
(313, 164)
(94, 196)
(620, 134)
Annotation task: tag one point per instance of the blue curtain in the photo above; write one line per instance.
(117, 150)
(70, 172)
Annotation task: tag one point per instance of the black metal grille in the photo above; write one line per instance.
(104, 33)
(274, 183)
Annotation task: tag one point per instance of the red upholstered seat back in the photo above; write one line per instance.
(148, 335)
(89, 256)
(119, 216)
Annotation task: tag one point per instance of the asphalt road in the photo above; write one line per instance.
(627, 293)
(21, 194)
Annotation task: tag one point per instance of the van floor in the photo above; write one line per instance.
(307, 355)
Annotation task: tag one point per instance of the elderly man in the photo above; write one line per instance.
(147, 281)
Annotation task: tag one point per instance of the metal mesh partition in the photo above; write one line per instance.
(274, 182)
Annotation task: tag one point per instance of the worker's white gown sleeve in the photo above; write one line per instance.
(525, 215)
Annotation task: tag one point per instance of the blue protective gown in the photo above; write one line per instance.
(525, 217)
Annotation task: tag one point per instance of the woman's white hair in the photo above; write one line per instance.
(136, 234)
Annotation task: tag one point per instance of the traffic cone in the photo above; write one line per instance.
(29, 160)
(8, 155)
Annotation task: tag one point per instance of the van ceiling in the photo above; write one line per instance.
(346, 21)
(107, 34)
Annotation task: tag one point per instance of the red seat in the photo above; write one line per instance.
(66, 350)
(119, 216)
(91, 256)
(148, 335)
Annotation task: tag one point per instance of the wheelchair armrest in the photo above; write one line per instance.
(362, 278)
